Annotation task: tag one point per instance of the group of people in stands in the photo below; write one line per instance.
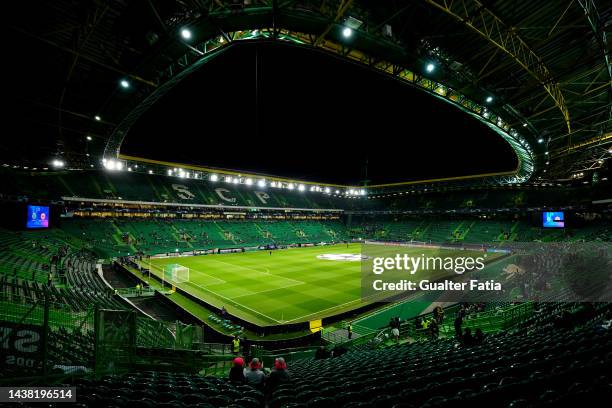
(255, 375)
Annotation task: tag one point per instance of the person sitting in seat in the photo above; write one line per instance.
(236, 374)
(253, 374)
(278, 376)
(467, 339)
(478, 336)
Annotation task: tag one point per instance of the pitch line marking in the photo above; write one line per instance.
(259, 272)
(220, 281)
(329, 308)
(236, 303)
(268, 290)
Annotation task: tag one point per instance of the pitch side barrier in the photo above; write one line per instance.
(234, 250)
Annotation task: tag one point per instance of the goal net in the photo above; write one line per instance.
(176, 273)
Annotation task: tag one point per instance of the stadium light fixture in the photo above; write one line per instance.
(98, 118)
(150, 171)
(290, 186)
(236, 180)
(186, 34)
(88, 138)
(248, 181)
(169, 172)
(524, 124)
(327, 190)
(301, 187)
(347, 32)
(214, 177)
(125, 84)
(57, 163)
(261, 183)
(489, 99)
(540, 140)
(430, 67)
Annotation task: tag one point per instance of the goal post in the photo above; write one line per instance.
(176, 273)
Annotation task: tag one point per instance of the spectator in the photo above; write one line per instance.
(459, 321)
(349, 329)
(438, 314)
(320, 353)
(253, 375)
(434, 329)
(278, 376)
(468, 339)
(478, 336)
(236, 374)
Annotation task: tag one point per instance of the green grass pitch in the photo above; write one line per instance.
(289, 286)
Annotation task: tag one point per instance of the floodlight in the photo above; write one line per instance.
(150, 171)
(290, 186)
(186, 34)
(327, 190)
(88, 138)
(347, 32)
(118, 165)
(57, 163)
(169, 172)
(236, 180)
(301, 187)
(489, 99)
(98, 118)
(430, 67)
(214, 177)
(546, 153)
(248, 181)
(129, 169)
(261, 183)
(524, 125)
(337, 191)
(124, 84)
(540, 140)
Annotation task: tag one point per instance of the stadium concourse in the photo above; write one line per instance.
(306, 204)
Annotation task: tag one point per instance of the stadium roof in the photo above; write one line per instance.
(538, 73)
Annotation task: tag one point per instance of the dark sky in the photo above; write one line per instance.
(314, 117)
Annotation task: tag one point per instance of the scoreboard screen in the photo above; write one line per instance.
(553, 219)
(38, 216)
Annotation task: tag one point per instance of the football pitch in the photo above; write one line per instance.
(288, 286)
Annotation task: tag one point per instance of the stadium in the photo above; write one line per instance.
(306, 203)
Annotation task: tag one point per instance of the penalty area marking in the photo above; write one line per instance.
(269, 290)
(231, 301)
(297, 282)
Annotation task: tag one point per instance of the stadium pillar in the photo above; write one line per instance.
(45, 335)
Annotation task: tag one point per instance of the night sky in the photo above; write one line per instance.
(312, 116)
